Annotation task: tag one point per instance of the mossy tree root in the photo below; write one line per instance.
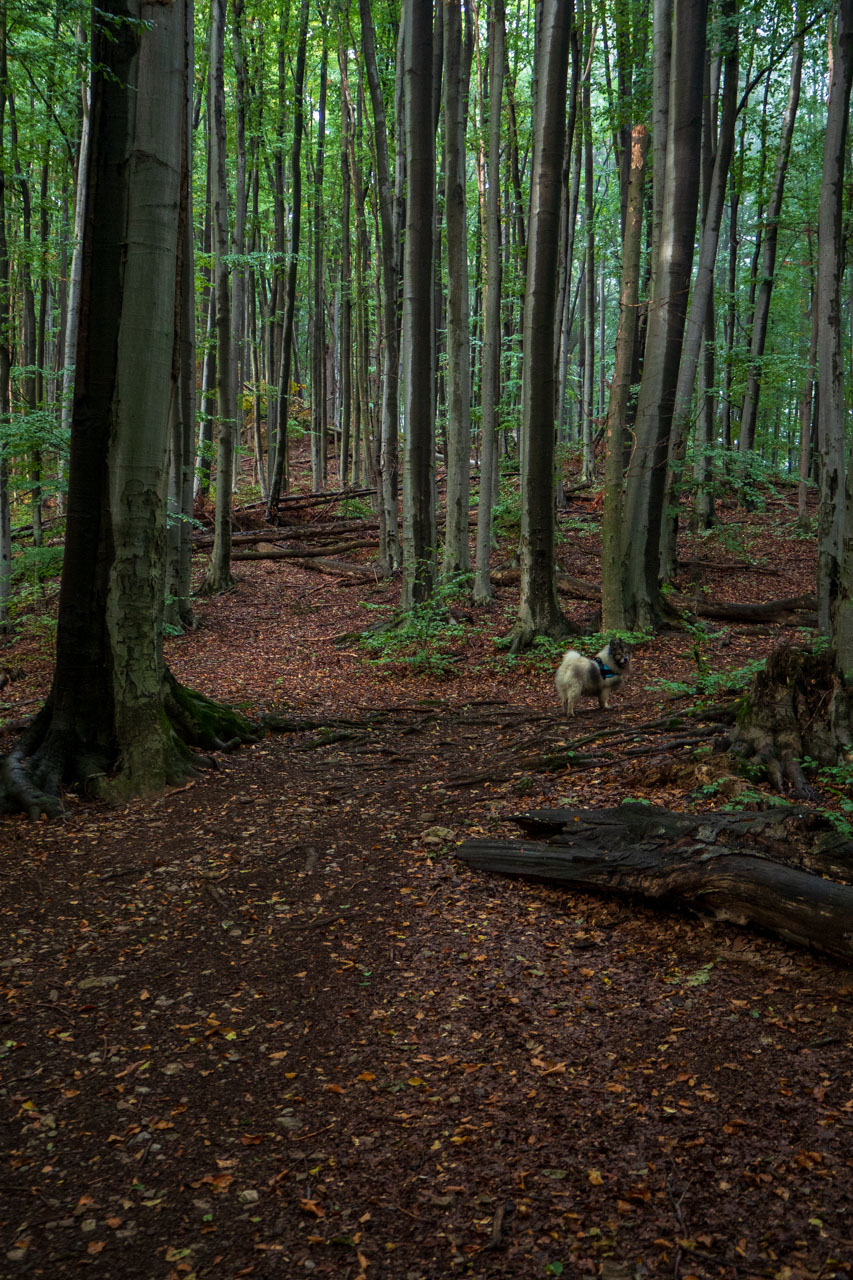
(49, 757)
(797, 709)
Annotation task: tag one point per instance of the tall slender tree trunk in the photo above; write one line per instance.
(319, 426)
(538, 610)
(279, 468)
(389, 540)
(673, 255)
(491, 307)
(457, 69)
(346, 274)
(768, 263)
(218, 575)
(835, 532)
(418, 404)
(613, 613)
(5, 348)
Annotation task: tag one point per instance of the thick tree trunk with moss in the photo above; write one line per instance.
(115, 723)
(538, 610)
(799, 708)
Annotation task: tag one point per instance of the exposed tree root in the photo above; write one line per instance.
(797, 708)
(50, 756)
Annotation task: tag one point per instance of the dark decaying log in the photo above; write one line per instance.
(710, 863)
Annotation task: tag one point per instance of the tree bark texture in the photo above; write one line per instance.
(490, 395)
(613, 614)
(539, 610)
(710, 867)
(457, 69)
(673, 256)
(419, 530)
(218, 576)
(835, 553)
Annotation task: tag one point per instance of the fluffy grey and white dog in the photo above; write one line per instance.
(599, 676)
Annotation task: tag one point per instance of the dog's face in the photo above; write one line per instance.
(618, 655)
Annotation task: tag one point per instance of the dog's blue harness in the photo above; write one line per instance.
(604, 669)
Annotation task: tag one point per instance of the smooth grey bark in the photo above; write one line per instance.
(278, 476)
(492, 282)
(389, 540)
(588, 392)
(458, 52)
(702, 293)
(661, 66)
(539, 611)
(419, 531)
(218, 575)
(612, 610)
(768, 260)
(673, 254)
(238, 240)
(346, 275)
(805, 409)
(72, 319)
(106, 706)
(319, 425)
(835, 540)
(182, 413)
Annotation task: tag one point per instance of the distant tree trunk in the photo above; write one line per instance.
(389, 540)
(218, 575)
(72, 321)
(201, 487)
(673, 255)
(319, 426)
(27, 357)
(768, 265)
(539, 611)
(588, 409)
(457, 71)
(805, 407)
(346, 275)
(491, 307)
(279, 469)
(238, 242)
(418, 405)
(613, 614)
(835, 540)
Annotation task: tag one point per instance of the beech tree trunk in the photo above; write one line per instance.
(613, 613)
(539, 611)
(278, 475)
(835, 545)
(218, 575)
(490, 398)
(418, 403)
(389, 543)
(113, 707)
(457, 69)
(673, 257)
(768, 264)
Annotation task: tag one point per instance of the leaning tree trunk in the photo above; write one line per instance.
(113, 705)
(539, 611)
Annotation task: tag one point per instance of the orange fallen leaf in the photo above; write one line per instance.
(94, 1246)
(312, 1206)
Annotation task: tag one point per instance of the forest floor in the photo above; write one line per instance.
(266, 1025)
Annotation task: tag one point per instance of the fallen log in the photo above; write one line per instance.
(566, 584)
(711, 864)
(269, 551)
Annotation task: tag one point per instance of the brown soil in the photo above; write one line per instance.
(266, 1025)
